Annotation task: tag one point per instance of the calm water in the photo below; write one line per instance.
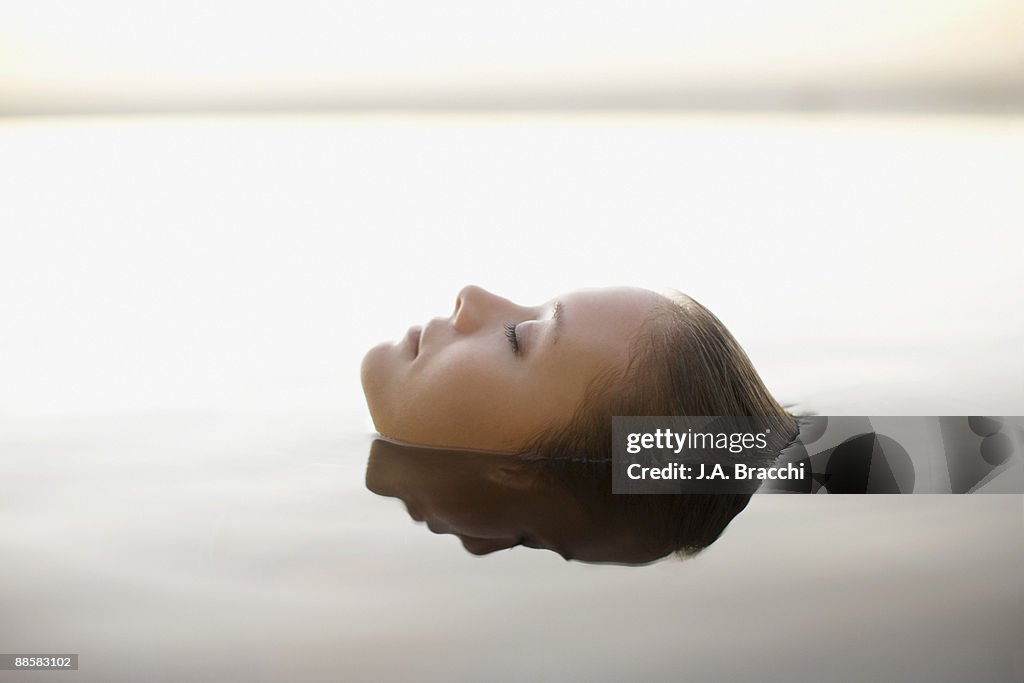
(183, 442)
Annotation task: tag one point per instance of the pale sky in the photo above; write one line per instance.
(63, 52)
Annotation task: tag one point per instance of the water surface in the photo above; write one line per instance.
(183, 440)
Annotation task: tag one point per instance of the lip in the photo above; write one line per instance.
(412, 338)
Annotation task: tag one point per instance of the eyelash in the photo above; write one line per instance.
(510, 334)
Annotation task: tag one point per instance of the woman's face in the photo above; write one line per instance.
(494, 374)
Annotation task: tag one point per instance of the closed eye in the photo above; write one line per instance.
(510, 334)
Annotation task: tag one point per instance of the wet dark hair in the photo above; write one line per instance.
(685, 362)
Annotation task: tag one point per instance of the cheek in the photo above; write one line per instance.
(470, 381)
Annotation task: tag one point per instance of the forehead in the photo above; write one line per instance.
(612, 306)
(601, 323)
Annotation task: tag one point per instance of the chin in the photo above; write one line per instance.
(371, 376)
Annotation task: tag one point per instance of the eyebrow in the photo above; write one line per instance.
(557, 320)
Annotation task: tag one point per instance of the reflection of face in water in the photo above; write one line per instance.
(492, 502)
(494, 374)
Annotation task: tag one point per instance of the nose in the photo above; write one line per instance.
(475, 306)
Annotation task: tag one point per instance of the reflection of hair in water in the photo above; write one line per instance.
(690, 364)
(492, 502)
(684, 523)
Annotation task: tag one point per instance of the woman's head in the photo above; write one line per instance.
(547, 379)
(494, 374)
